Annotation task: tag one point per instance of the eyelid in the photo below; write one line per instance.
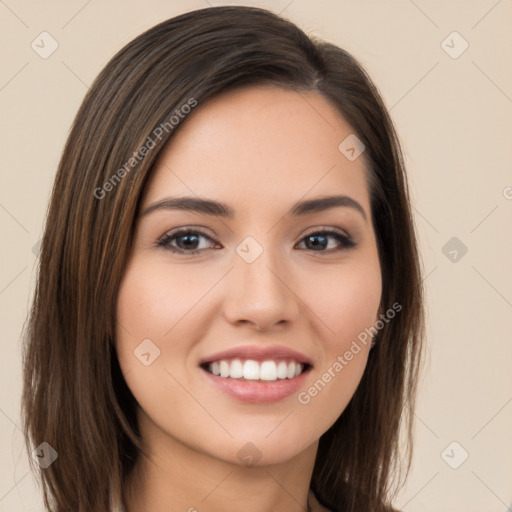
(321, 229)
(199, 229)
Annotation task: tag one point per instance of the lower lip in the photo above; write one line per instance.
(257, 392)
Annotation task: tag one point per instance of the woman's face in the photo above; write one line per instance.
(254, 293)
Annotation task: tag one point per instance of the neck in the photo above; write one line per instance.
(176, 477)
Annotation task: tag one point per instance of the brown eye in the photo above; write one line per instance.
(183, 241)
(319, 240)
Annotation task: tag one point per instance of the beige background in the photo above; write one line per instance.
(454, 116)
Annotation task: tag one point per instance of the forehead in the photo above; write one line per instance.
(259, 146)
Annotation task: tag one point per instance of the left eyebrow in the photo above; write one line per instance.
(211, 207)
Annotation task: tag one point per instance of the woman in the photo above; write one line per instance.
(228, 311)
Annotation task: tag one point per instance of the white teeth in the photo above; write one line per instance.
(268, 370)
(215, 368)
(282, 370)
(250, 369)
(236, 370)
(291, 370)
(224, 369)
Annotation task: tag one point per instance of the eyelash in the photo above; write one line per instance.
(165, 242)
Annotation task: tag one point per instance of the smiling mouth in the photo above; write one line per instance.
(270, 370)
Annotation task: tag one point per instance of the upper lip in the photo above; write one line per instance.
(257, 353)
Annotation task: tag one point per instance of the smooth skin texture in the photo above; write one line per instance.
(259, 149)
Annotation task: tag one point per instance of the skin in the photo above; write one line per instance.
(259, 150)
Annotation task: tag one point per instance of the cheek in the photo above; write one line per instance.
(152, 308)
(159, 323)
(155, 301)
(346, 303)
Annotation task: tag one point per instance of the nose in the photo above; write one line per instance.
(261, 293)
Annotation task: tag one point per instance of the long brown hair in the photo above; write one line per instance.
(74, 395)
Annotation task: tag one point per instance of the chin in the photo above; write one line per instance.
(263, 447)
